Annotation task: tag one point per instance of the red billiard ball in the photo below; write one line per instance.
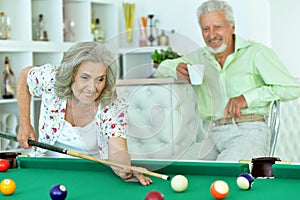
(8, 186)
(4, 165)
(58, 192)
(219, 189)
(154, 195)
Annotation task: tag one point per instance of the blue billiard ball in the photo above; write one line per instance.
(58, 192)
(245, 181)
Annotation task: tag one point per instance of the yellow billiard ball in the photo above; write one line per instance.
(8, 186)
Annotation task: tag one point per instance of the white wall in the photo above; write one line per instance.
(272, 22)
(285, 32)
(252, 19)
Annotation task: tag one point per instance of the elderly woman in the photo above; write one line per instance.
(80, 110)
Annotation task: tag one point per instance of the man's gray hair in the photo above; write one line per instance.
(211, 6)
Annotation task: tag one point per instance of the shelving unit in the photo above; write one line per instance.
(23, 51)
(58, 15)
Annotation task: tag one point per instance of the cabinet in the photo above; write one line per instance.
(24, 51)
(61, 15)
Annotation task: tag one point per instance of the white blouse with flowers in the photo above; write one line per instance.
(110, 121)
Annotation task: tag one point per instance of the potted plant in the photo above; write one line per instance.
(160, 55)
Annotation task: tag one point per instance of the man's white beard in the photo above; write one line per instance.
(221, 49)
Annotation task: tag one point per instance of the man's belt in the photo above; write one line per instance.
(244, 118)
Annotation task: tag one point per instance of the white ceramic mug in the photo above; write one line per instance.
(196, 72)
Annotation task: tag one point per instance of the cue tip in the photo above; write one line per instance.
(165, 177)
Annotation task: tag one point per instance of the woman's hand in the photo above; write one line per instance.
(129, 176)
(25, 132)
(118, 152)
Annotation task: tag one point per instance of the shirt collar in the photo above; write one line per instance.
(240, 43)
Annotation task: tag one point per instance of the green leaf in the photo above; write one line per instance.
(160, 55)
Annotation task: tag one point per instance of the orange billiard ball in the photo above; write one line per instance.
(8, 186)
(219, 189)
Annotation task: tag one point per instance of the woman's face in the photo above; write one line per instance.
(89, 81)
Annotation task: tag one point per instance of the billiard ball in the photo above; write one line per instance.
(219, 189)
(4, 165)
(8, 186)
(245, 181)
(154, 195)
(58, 192)
(179, 183)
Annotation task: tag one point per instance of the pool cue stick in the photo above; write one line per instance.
(83, 156)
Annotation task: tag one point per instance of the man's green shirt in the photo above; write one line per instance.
(253, 70)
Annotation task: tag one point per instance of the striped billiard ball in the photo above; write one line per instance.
(58, 192)
(245, 181)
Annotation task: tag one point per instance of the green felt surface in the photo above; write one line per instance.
(90, 180)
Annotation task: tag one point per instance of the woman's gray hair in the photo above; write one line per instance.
(211, 6)
(79, 53)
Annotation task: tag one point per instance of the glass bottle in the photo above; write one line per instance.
(3, 26)
(163, 39)
(98, 32)
(40, 32)
(8, 80)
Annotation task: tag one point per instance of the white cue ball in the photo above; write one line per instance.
(179, 183)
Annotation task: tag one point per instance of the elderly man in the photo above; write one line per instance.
(241, 79)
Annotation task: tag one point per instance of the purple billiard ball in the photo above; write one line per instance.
(245, 181)
(58, 192)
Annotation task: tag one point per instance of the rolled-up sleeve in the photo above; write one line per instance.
(278, 82)
(41, 79)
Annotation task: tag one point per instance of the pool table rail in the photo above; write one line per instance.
(159, 166)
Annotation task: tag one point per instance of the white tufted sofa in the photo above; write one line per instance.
(164, 122)
(163, 117)
(288, 142)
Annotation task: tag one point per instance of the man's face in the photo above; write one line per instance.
(216, 31)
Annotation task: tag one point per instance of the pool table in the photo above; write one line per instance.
(90, 180)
